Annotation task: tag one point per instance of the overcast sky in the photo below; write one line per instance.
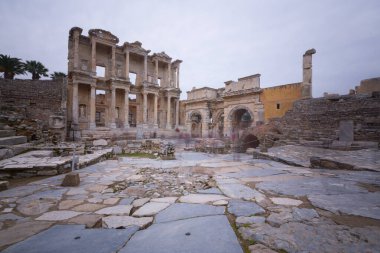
(217, 40)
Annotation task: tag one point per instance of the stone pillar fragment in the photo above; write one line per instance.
(177, 78)
(112, 109)
(76, 49)
(169, 75)
(92, 106)
(306, 87)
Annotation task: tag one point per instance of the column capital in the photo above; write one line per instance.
(93, 85)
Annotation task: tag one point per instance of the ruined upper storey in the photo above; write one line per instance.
(99, 55)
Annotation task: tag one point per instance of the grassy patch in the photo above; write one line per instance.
(140, 155)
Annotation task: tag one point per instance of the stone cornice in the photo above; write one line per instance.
(242, 92)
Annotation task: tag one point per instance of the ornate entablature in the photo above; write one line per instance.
(103, 35)
(255, 90)
(135, 47)
(163, 57)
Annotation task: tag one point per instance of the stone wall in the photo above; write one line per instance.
(321, 119)
(278, 100)
(36, 109)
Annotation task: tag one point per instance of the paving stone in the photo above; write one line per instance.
(125, 221)
(165, 200)
(89, 220)
(304, 214)
(21, 231)
(96, 188)
(111, 201)
(140, 202)
(220, 203)
(244, 208)
(20, 191)
(242, 220)
(126, 201)
(88, 207)
(201, 235)
(116, 210)
(74, 239)
(10, 216)
(366, 205)
(76, 191)
(277, 219)
(150, 208)
(67, 204)
(35, 207)
(237, 191)
(58, 215)
(7, 210)
(286, 201)
(300, 237)
(201, 198)
(96, 200)
(180, 211)
(210, 191)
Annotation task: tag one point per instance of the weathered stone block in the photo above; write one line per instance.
(4, 185)
(71, 179)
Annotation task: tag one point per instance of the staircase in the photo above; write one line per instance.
(10, 144)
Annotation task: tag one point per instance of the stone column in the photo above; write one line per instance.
(93, 56)
(127, 65)
(168, 115)
(76, 49)
(113, 104)
(145, 107)
(169, 74)
(177, 113)
(92, 106)
(177, 78)
(145, 67)
(113, 60)
(126, 108)
(155, 109)
(306, 87)
(156, 71)
(75, 105)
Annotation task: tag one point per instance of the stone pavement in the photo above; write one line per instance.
(197, 203)
(365, 159)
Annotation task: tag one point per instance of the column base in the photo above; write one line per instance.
(126, 126)
(113, 125)
(169, 127)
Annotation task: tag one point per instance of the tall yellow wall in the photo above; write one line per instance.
(285, 95)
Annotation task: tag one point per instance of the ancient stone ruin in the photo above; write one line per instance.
(110, 160)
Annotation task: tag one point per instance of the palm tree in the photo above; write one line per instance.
(57, 75)
(11, 66)
(37, 69)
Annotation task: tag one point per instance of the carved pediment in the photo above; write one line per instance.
(104, 35)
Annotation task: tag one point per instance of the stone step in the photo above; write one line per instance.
(7, 133)
(13, 140)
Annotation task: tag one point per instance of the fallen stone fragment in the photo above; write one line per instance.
(4, 185)
(125, 221)
(150, 208)
(116, 210)
(100, 142)
(286, 201)
(201, 198)
(220, 203)
(71, 179)
(58, 215)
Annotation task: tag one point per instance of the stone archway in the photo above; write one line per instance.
(196, 124)
(240, 118)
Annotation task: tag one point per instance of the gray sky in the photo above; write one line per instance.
(217, 40)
